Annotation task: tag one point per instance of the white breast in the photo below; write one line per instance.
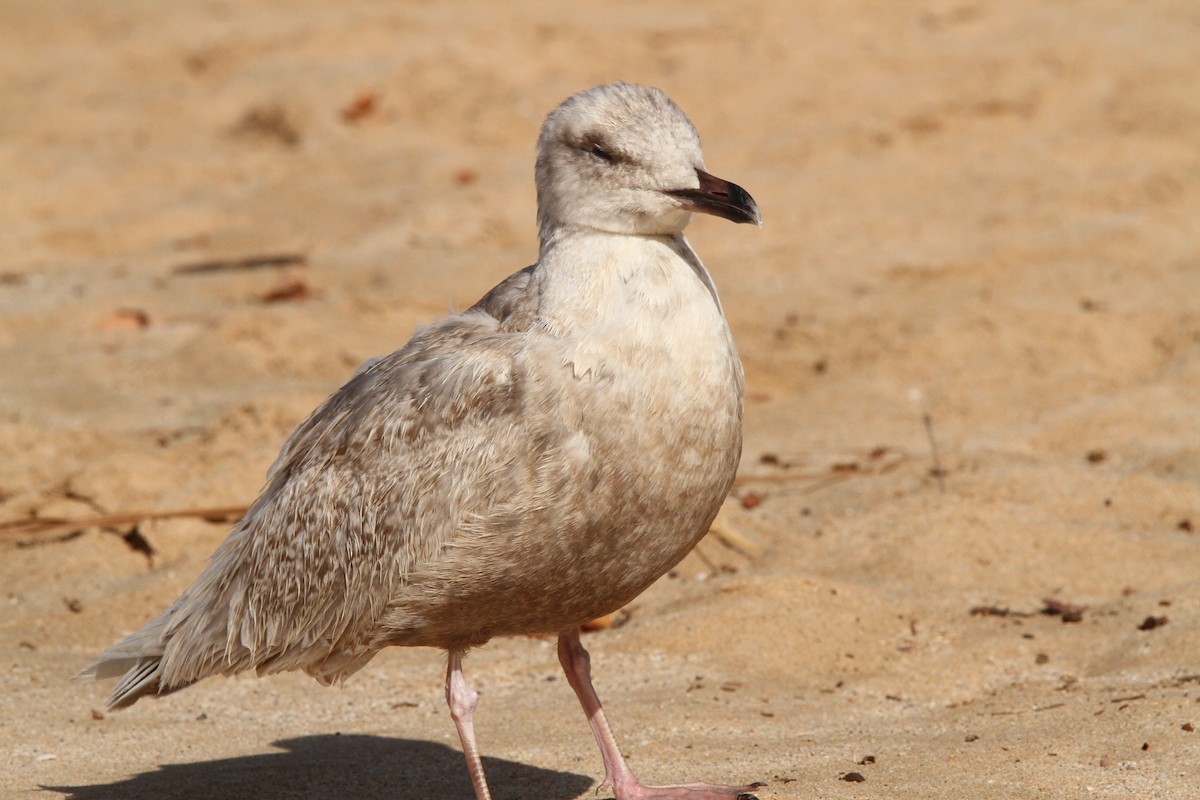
(643, 307)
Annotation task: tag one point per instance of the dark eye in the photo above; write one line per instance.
(599, 152)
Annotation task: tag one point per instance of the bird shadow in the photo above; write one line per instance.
(335, 766)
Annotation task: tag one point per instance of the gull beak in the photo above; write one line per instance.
(719, 198)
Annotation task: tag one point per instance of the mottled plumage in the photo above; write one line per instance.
(520, 467)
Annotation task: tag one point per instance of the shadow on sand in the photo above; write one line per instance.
(335, 766)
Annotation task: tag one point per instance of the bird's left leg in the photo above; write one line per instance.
(576, 664)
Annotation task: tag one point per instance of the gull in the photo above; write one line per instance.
(521, 467)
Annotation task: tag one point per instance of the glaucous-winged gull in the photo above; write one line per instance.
(518, 468)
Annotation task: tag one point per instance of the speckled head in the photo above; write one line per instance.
(625, 159)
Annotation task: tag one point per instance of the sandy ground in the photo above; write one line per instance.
(986, 213)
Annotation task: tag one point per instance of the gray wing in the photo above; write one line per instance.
(507, 308)
(512, 302)
(373, 484)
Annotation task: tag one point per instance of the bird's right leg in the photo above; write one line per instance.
(462, 700)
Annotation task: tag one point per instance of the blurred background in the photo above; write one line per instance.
(961, 557)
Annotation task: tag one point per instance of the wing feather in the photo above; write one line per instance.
(362, 491)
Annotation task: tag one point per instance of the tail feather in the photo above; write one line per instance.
(140, 680)
(140, 676)
(105, 670)
(216, 627)
(138, 658)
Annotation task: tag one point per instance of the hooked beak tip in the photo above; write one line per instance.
(720, 198)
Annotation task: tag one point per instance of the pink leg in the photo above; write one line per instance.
(462, 701)
(577, 665)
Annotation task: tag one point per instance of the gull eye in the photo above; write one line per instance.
(597, 150)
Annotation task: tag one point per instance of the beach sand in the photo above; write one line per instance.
(978, 215)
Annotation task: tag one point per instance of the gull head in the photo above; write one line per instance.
(625, 159)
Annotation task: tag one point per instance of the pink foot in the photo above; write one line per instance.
(577, 667)
(685, 791)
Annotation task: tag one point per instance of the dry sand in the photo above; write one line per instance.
(986, 213)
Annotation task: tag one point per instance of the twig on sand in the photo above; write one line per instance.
(242, 264)
(728, 535)
(937, 470)
(819, 471)
(826, 470)
(53, 526)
